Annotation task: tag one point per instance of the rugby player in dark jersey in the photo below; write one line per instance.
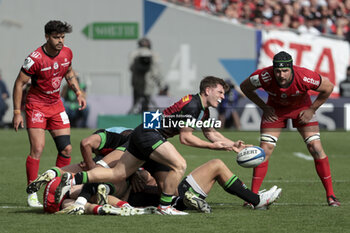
(152, 144)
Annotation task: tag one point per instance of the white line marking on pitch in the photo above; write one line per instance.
(12, 207)
(303, 156)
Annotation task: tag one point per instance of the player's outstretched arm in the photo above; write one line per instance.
(21, 81)
(214, 136)
(187, 138)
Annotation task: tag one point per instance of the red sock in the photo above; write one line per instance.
(324, 172)
(95, 209)
(62, 161)
(32, 168)
(259, 175)
(121, 203)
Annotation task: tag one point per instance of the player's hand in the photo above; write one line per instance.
(269, 114)
(86, 167)
(138, 182)
(305, 116)
(220, 145)
(17, 121)
(239, 145)
(82, 102)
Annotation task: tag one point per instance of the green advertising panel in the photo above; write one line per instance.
(111, 31)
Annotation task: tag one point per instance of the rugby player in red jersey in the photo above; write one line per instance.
(145, 144)
(287, 87)
(45, 68)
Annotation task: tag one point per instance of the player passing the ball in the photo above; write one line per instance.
(287, 86)
(145, 144)
(45, 68)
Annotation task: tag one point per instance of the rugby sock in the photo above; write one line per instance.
(236, 187)
(120, 204)
(97, 210)
(81, 201)
(324, 172)
(165, 200)
(62, 160)
(55, 170)
(32, 168)
(259, 175)
(88, 190)
(80, 178)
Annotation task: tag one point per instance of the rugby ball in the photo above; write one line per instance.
(251, 156)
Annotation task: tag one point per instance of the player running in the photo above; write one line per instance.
(287, 87)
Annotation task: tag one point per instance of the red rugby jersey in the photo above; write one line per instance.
(295, 95)
(46, 73)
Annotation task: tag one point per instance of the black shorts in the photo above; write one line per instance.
(153, 167)
(144, 141)
(183, 187)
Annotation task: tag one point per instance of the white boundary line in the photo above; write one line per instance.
(303, 156)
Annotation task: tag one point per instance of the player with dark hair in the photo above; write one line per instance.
(45, 68)
(287, 86)
(152, 144)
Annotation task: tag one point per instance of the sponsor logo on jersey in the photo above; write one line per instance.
(28, 62)
(65, 64)
(54, 74)
(266, 76)
(55, 65)
(310, 80)
(56, 82)
(35, 54)
(46, 68)
(186, 98)
(37, 116)
(254, 80)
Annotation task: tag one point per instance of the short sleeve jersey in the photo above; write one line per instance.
(189, 107)
(295, 95)
(109, 141)
(46, 74)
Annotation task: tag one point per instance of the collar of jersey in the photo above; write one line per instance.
(42, 48)
(200, 97)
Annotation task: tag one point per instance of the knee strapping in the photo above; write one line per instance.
(312, 138)
(62, 142)
(267, 138)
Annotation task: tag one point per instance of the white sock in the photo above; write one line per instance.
(81, 201)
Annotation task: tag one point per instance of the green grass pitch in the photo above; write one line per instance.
(301, 208)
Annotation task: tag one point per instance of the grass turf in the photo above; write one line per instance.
(301, 208)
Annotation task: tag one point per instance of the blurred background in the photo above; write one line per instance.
(189, 39)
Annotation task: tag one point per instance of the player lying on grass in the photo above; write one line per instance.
(95, 201)
(193, 189)
(218, 171)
